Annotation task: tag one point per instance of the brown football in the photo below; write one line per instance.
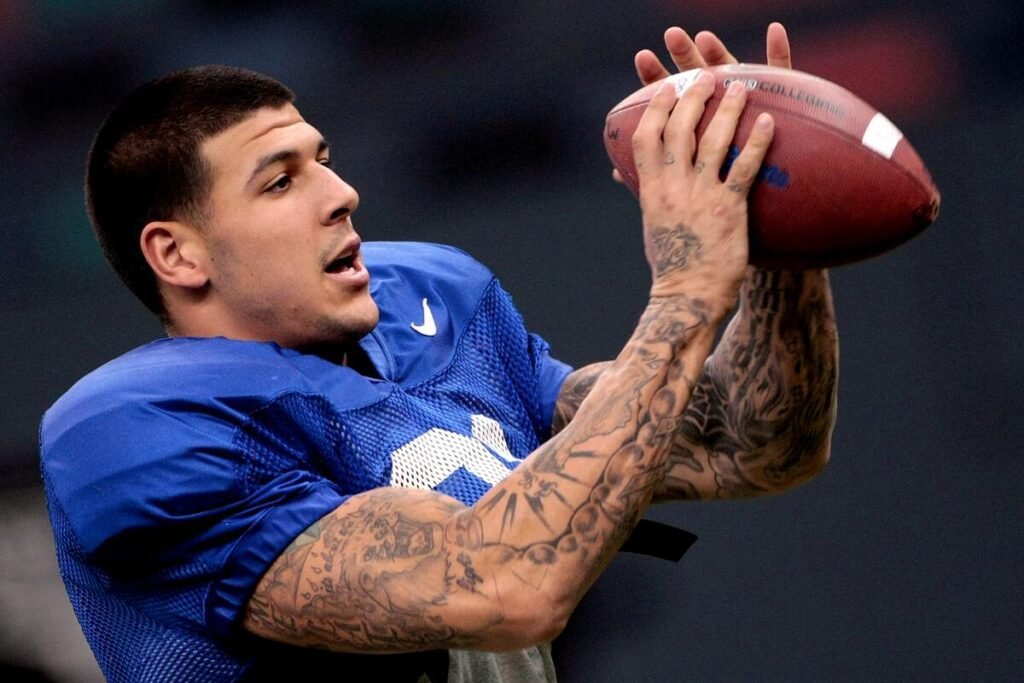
(840, 182)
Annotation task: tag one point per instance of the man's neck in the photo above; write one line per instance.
(350, 355)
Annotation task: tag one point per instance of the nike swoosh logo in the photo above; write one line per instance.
(429, 327)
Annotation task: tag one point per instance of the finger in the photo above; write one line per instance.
(713, 49)
(777, 42)
(714, 144)
(647, 146)
(746, 166)
(684, 53)
(648, 67)
(680, 138)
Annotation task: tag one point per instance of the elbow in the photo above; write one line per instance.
(802, 453)
(818, 460)
(542, 630)
(557, 618)
(819, 450)
(551, 620)
(534, 620)
(798, 466)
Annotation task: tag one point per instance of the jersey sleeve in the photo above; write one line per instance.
(182, 507)
(550, 375)
(535, 373)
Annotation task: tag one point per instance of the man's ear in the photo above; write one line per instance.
(176, 252)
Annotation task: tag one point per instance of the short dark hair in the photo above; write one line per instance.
(146, 165)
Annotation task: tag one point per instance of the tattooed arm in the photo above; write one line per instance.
(761, 416)
(394, 570)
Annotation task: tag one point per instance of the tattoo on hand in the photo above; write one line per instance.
(674, 248)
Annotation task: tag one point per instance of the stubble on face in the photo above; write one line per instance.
(268, 252)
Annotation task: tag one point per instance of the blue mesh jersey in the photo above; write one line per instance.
(177, 473)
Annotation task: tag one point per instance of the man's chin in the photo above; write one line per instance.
(343, 333)
(363, 324)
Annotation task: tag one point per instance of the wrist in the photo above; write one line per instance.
(702, 311)
(713, 303)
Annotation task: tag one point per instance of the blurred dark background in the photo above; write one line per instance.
(479, 124)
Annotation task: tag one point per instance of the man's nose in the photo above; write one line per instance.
(342, 199)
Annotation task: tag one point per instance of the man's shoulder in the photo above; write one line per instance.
(175, 365)
(193, 376)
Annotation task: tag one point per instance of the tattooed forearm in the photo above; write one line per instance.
(397, 570)
(761, 417)
(592, 502)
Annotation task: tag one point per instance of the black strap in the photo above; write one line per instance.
(658, 540)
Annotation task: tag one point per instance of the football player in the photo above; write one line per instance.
(346, 449)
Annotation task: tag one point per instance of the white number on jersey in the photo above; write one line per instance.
(435, 455)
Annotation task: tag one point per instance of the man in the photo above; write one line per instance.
(349, 449)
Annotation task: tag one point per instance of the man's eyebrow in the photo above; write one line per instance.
(283, 155)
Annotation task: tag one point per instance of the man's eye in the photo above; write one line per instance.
(327, 162)
(280, 184)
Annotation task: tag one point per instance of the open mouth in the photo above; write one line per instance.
(341, 264)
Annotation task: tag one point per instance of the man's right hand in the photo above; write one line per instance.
(695, 224)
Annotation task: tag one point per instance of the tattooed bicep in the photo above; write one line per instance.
(371, 576)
